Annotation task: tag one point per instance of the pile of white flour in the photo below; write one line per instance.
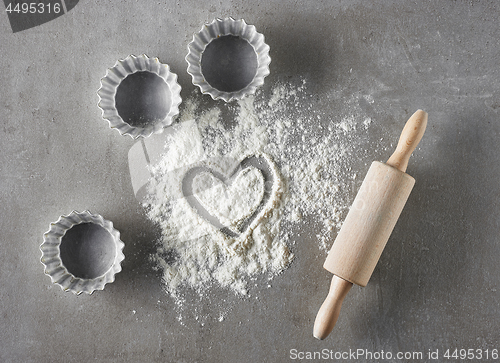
(310, 168)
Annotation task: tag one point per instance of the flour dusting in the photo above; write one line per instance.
(309, 158)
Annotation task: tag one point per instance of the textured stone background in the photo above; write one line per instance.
(437, 285)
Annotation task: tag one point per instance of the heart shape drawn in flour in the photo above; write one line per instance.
(232, 202)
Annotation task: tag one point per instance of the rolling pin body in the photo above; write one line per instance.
(369, 223)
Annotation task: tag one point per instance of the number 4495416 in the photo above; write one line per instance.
(34, 8)
(471, 354)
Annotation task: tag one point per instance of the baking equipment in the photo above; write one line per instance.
(369, 223)
(139, 96)
(82, 252)
(228, 59)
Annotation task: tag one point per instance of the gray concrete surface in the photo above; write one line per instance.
(437, 285)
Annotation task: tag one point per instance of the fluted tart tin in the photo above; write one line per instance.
(82, 252)
(228, 59)
(139, 96)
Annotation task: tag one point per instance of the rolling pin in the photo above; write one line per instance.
(369, 224)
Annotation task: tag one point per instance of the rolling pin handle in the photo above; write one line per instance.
(330, 309)
(410, 137)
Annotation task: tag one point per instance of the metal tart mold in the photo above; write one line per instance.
(228, 59)
(82, 252)
(139, 96)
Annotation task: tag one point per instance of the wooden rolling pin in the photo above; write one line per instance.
(369, 224)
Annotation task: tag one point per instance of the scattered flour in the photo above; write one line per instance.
(310, 156)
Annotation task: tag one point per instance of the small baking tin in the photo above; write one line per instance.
(139, 96)
(228, 59)
(82, 252)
